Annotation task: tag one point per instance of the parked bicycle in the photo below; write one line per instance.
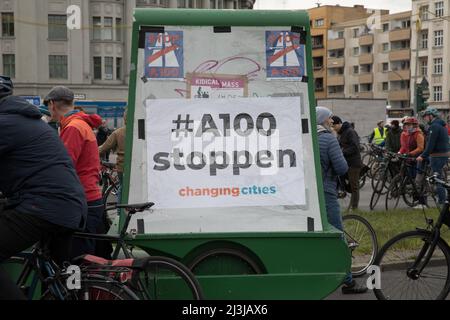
(415, 265)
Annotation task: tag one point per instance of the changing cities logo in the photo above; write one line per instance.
(164, 55)
(285, 56)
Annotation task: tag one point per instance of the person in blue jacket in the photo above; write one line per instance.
(333, 165)
(45, 199)
(436, 147)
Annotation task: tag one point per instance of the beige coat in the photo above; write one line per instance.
(116, 141)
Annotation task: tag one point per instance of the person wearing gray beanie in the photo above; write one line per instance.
(333, 165)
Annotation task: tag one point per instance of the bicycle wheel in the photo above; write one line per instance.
(399, 281)
(97, 287)
(394, 193)
(362, 242)
(164, 278)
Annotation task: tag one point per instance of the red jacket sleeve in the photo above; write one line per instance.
(73, 140)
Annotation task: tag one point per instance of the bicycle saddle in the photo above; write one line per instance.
(139, 207)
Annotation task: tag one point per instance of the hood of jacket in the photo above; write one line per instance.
(20, 106)
(345, 126)
(93, 120)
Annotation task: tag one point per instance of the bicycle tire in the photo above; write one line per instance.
(359, 266)
(165, 264)
(109, 191)
(403, 265)
(376, 195)
(394, 193)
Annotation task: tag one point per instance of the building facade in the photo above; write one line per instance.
(371, 59)
(430, 44)
(38, 51)
(322, 19)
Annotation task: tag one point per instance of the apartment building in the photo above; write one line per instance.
(431, 50)
(322, 19)
(38, 51)
(371, 59)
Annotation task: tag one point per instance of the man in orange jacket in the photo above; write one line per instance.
(76, 132)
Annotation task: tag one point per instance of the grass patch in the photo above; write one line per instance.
(388, 224)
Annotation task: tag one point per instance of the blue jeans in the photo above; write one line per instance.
(335, 219)
(437, 164)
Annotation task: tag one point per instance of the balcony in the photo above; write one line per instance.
(335, 62)
(399, 75)
(399, 95)
(366, 58)
(335, 80)
(400, 55)
(336, 44)
(366, 40)
(366, 78)
(336, 95)
(400, 34)
(365, 95)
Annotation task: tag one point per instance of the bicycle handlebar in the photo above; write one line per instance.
(435, 180)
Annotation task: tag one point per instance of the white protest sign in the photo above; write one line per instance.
(222, 153)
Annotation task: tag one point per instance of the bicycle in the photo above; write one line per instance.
(419, 259)
(170, 273)
(109, 181)
(362, 242)
(404, 184)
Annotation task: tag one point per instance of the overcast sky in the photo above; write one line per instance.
(392, 5)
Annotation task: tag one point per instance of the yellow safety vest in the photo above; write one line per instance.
(377, 138)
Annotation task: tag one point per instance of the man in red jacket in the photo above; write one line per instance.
(76, 132)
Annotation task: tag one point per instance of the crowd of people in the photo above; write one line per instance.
(49, 173)
(340, 157)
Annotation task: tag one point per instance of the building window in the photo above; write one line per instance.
(423, 12)
(340, 34)
(318, 84)
(437, 66)
(424, 67)
(437, 93)
(385, 86)
(107, 28)
(119, 28)
(355, 69)
(317, 42)
(109, 68)
(439, 38)
(355, 33)
(119, 68)
(57, 28)
(317, 63)
(439, 9)
(406, 24)
(355, 88)
(97, 27)
(424, 39)
(57, 67)
(385, 27)
(7, 24)
(97, 68)
(319, 23)
(386, 47)
(356, 51)
(9, 65)
(385, 67)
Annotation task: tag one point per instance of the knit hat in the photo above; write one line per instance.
(322, 114)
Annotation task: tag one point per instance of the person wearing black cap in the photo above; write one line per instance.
(76, 132)
(45, 199)
(349, 142)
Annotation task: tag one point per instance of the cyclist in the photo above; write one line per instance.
(76, 132)
(378, 135)
(333, 165)
(393, 137)
(437, 148)
(45, 197)
(412, 138)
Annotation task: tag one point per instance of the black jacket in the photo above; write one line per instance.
(36, 173)
(393, 139)
(349, 142)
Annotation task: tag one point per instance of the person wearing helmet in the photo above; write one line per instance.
(45, 199)
(412, 140)
(378, 135)
(437, 147)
